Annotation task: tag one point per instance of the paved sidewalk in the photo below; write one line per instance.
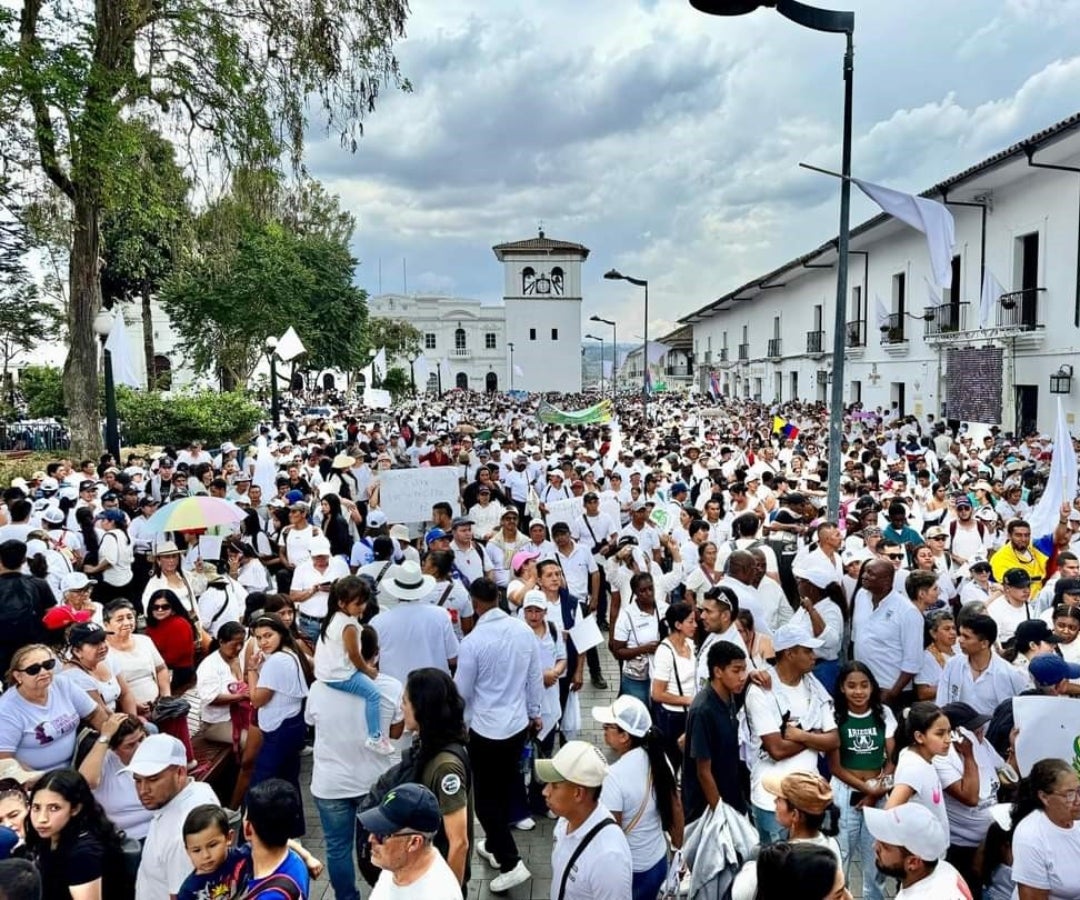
(535, 845)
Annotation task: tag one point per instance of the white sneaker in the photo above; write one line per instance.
(380, 745)
(526, 824)
(482, 851)
(517, 875)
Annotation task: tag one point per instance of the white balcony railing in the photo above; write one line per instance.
(464, 353)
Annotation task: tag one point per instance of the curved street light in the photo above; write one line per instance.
(833, 22)
(616, 275)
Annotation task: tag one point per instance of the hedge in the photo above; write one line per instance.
(208, 416)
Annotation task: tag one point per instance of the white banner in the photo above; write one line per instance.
(1049, 729)
(376, 398)
(568, 511)
(406, 495)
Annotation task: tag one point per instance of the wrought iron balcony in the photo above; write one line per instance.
(855, 334)
(723, 354)
(1020, 309)
(744, 351)
(774, 348)
(893, 332)
(947, 318)
(815, 342)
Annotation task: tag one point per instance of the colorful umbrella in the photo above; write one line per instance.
(194, 512)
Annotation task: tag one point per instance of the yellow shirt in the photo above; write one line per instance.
(1005, 558)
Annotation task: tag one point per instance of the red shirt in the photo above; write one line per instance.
(175, 642)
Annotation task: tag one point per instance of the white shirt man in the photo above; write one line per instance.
(470, 560)
(578, 565)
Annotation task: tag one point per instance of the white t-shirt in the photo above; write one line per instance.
(636, 627)
(438, 883)
(1047, 857)
(165, 863)
(810, 708)
(922, 777)
(119, 553)
(342, 767)
(282, 674)
(677, 672)
(117, 795)
(43, 737)
(139, 667)
(216, 606)
(1008, 617)
(307, 576)
(930, 671)
(968, 824)
(213, 679)
(624, 792)
(332, 661)
(454, 597)
(109, 691)
(944, 884)
(414, 635)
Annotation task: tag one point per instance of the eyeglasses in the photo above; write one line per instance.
(1070, 796)
(37, 668)
(895, 555)
(937, 537)
(159, 607)
(383, 838)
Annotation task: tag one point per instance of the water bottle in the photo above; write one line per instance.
(526, 762)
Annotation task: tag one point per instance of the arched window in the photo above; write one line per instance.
(328, 381)
(462, 381)
(297, 383)
(459, 339)
(528, 280)
(491, 382)
(162, 373)
(558, 280)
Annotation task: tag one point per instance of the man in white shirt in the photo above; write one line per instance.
(977, 675)
(887, 630)
(159, 768)
(910, 845)
(311, 583)
(500, 678)
(602, 868)
(470, 560)
(648, 537)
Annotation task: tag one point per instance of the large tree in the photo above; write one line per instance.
(234, 80)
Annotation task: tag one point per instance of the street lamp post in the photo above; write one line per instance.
(616, 275)
(510, 346)
(614, 352)
(593, 337)
(412, 373)
(103, 324)
(275, 406)
(833, 22)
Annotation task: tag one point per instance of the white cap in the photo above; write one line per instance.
(155, 754)
(816, 569)
(319, 546)
(74, 581)
(788, 636)
(910, 825)
(578, 762)
(534, 599)
(628, 713)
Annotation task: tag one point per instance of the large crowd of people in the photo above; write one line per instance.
(795, 693)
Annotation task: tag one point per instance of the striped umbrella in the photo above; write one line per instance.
(194, 512)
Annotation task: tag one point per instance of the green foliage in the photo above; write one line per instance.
(399, 336)
(397, 383)
(42, 389)
(210, 416)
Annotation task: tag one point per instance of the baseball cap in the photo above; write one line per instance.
(410, 806)
(638, 505)
(459, 521)
(1016, 578)
(435, 534)
(376, 518)
(534, 599)
(155, 754)
(1066, 586)
(578, 762)
(86, 633)
(319, 546)
(112, 515)
(522, 557)
(1034, 631)
(9, 840)
(627, 713)
(964, 715)
(61, 616)
(807, 791)
(399, 532)
(911, 826)
(1048, 669)
(509, 512)
(74, 581)
(788, 636)
(677, 488)
(54, 515)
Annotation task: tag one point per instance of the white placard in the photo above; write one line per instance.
(1049, 729)
(568, 511)
(209, 547)
(407, 495)
(586, 634)
(374, 398)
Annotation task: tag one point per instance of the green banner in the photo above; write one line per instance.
(599, 414)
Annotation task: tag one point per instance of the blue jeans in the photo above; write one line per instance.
(768, 827)
(856, 840)
(338, 819)
(359, 685)
(635, 688)
(646, 885)
(309, 626)
(279, 757)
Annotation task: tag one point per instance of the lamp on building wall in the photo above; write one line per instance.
(1061, 381)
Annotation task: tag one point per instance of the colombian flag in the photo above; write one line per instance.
(784, 428)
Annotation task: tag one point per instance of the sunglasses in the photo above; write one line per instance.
(895, 555)
(38, 668)
(159, 607)
(937, 537)
(383, 838)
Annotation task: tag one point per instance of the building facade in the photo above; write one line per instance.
(907, 347)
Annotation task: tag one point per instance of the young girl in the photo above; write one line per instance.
(338, 660)
(923, 734)
(861, 765)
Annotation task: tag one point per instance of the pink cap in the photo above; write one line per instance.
(522, 557)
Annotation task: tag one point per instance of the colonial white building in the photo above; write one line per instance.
(1016, 215)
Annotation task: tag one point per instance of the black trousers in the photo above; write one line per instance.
(496, 779)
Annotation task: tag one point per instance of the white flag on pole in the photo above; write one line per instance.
(932, 292)
(656, 352)
(928, 216)
(379, 364)
(883, 314)
(1061, 484)
(290, 346)
(991, 293)
(421, 372)
(123, 366)
(518, 371)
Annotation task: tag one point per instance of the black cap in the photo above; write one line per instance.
(1066, 586)
(1017, 578)
(1034, 631)
(964, 715)
(85, 633)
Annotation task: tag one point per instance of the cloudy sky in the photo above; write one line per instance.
(668, 141)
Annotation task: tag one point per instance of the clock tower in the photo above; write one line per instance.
(542, 293)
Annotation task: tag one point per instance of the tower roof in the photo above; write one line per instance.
(541, 244)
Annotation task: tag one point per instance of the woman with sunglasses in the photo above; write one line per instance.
(170, 627)
(39, 716)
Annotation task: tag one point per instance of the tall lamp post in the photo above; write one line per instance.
(103, 324)
(593, 337)
(412, 372)
(275, 405)
(616, 275)
(834, 22)
(614, 352)
(510, 347)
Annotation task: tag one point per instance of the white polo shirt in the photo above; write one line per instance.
(999, 682)
(165, 863)
(888, 639)
(603, 871)
(577, 569)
